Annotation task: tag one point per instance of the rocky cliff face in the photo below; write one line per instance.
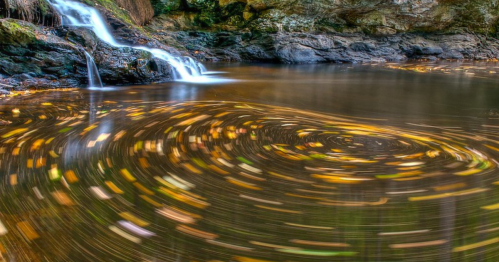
(369, 16)
(306, 31)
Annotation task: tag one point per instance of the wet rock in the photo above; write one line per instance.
(163, 6)
(362, 47)
(30, 54)
(378, 17)
(257, 53)
(224, 3)
(123, 65)
(261, 5)
(199, 4)
(383, 31)
(24, 77)
(452, 54)
(296, 53)
(36, 58)
(119, 66)
(299, 47)
(426, 50)
(81, 36)
(17, 33)
(333, 30)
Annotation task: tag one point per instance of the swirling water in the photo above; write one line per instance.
(292, 163)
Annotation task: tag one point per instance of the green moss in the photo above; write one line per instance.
(477, 16)
(206, 19)
(201, 4)
(89, 2)
(233, 9)
(44, 7)
(160, 7)
(145, 55)
(17, 32)
(117, 11)
(328, 24)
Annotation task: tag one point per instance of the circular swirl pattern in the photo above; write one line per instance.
(227, 181)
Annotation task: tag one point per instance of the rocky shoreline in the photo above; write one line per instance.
(37, 56)
(55, 58)
(34, 57)
(297, 47)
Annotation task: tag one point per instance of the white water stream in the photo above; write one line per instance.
(93, 73)
(77, 14)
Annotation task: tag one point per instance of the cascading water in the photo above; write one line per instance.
(93, 73)
(77, 14)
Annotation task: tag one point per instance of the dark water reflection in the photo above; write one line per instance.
(289, 163)
(369, 91)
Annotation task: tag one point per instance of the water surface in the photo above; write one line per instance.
(288, 163)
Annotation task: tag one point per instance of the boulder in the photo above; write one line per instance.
(296, 53)
(29, 55)
(16, 32)
(122, 66)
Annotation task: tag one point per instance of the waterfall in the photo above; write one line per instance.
(77, 14)
(93, 73)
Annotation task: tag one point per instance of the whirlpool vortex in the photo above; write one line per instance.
(230, 181)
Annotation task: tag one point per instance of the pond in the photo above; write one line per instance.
(391, 162)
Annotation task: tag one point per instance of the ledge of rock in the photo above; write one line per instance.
(31, 57)
(302, 31)
(293, 47)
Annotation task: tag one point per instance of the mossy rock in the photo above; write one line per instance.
(118, 12)
(224, 3)
(370, 19)
(16, 32)
(261, 5)
(233, 9)
(201, 4)
(166, 6)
